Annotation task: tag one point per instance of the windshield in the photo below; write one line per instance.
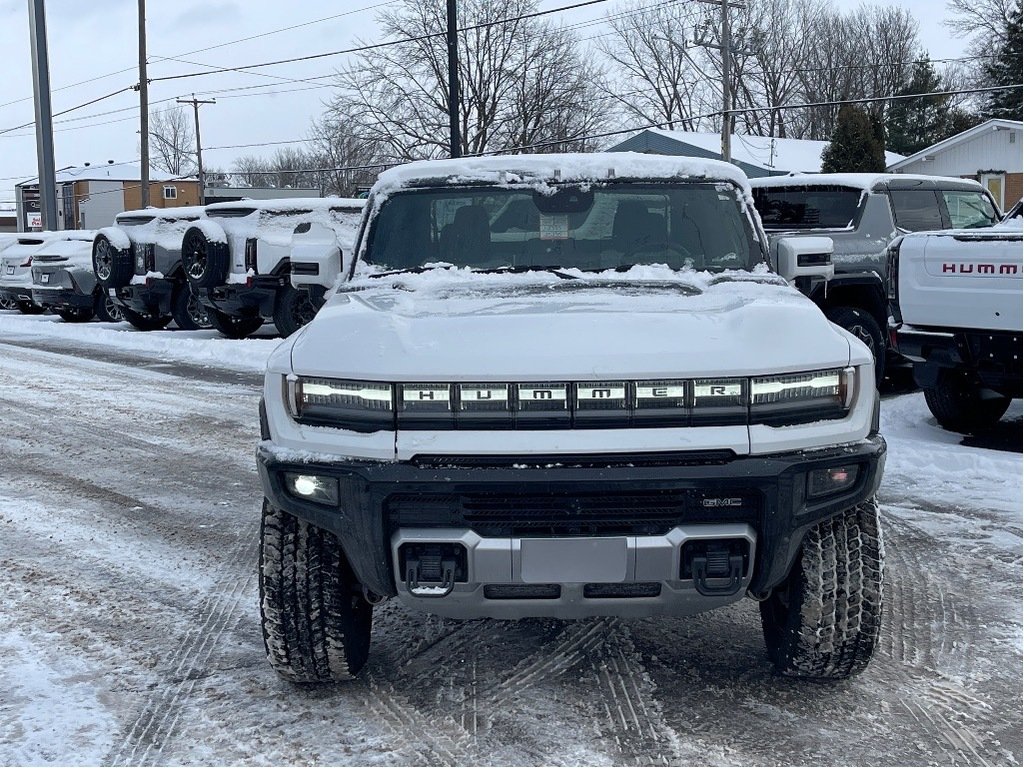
(969, 210)
(817, 207)
(592, 228)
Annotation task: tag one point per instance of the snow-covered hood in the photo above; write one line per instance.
(452, 325)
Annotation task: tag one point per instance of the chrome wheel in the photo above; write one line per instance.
(197, 312)
(104, 260)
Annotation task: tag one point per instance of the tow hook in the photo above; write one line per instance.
(429, 574)
(717, 566)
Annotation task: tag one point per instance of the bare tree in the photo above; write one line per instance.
(174, 148)
(396, 97)
(985, 21)
(655, 77)
(346, 162)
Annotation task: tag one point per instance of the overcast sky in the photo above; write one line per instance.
(91, 40)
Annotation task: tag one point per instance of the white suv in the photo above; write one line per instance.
(568, 386)
(238, 261)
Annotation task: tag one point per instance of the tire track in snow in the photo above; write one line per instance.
(150, 732)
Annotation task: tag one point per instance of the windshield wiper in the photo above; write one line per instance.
(522, 268)
(405, 271)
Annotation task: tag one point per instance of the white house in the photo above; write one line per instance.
(989, 153)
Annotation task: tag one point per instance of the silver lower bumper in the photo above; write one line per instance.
(585, 571)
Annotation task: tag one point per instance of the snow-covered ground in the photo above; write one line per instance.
(129, 511)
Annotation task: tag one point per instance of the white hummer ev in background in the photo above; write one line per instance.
(238, 261)
(137, 261)
(570, 386)
(955, 298)
(320, 253)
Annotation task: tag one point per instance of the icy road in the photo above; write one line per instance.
(129, 629)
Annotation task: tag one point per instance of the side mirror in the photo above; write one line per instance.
(795, 257)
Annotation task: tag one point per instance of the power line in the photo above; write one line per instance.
(386, 44)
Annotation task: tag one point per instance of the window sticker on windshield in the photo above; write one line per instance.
(554, 226)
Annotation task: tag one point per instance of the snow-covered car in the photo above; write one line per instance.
(63, 280)
(862, 213)
(16, 272)
(322, 251)
(956, 301)
(138, 262)
(238, 261)
(569, 386)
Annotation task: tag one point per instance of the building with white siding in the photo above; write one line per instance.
(990, 153)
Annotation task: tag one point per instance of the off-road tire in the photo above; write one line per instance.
(862, 325)
(28, 308)
(143, 322)
(315, 621)
(231, 326)
(105, 309)
(114, 267)
(188, 311)
(823, 621)
(293, 308)
(75, 315)
(206, 262)
(960, 403)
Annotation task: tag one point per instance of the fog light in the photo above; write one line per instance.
(322, 490)
(825, 482)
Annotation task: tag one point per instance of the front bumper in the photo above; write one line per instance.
(254, 297)
(152, 298)
(61, 298)
(382, 505)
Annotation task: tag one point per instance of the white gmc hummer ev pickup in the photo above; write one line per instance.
(570, 386)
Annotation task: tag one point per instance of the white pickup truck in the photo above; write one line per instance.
(569, 386)
(955, 298)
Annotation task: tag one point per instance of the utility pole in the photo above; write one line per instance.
(726, 86)
(727, 50)
(199, 142)
(44, 114)
(455, 141)
(143, 105)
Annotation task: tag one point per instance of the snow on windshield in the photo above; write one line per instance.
(599, 226)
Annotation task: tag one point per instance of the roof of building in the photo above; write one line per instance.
(105, 172)
(759, 153)
(994, 124)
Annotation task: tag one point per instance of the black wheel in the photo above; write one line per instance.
(6, 303)
(293, 308)
(863, 326)
(28, 308)
(823, 621)
(206, 262)
(234, 327)
(143, 322)
(316, 623)
(113, 266)
(960, 403)
(188, 311)
(75, 315)
(106, 309)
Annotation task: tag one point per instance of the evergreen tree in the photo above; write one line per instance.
(1005, 69)
(854, 147)
(914, 124)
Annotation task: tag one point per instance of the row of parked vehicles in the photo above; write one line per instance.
(232, 266)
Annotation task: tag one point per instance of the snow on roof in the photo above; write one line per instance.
(771, 154)
(952, 141)
(533, 169)
(287, 205)
(184, 212)
(105, 172)
(862, 181)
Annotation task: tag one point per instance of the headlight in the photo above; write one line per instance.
(361, 406)
(802, 397)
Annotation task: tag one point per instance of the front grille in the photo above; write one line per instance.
(638, 513)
